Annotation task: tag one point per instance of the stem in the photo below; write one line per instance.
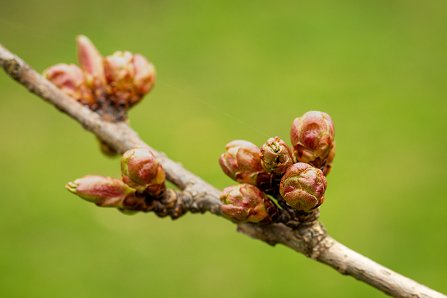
(310, 239)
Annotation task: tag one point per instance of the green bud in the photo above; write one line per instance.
(141, 170)
(312, 137)
(245, 203)
(242, 163)
(303, 187)
(276, 156)
(103, 191)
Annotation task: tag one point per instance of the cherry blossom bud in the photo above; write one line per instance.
(144, 74)
(312, 137)
(70, 79)
(245, 203)
(276, 156)
(242, 163)
(141, 170)
(103, 191)
(91, 62)
(303, 187)
(129, 77)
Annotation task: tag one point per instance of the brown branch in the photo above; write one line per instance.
(311, 239)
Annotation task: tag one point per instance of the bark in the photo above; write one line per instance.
(309, 239)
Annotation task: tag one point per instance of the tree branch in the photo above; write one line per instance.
(310, 239)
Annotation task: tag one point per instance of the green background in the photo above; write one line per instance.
(229, 70)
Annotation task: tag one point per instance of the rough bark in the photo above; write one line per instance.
(310, 239)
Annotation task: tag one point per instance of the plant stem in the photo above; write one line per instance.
(310, 239)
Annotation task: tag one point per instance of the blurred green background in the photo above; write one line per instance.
(229, 70)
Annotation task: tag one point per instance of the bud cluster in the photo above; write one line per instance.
(294, 175)
(110, 84)
(142, 178)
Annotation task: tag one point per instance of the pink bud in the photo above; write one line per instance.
(144, 74)
(141, 170)
(119, 67)
(312, 137)
(70, 79)
(103, 191)
(91, 62)
(245, 203)
(242, 163)
(303, 187)
(129, 77)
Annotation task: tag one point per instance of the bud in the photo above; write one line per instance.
(144, 74)
(91, 62)
(303, 187)
(70, 79)
(103, 191)
(129, 77)
(245, 203)
(242, 163)
(140, 170)
(312, 137)
(276, 156)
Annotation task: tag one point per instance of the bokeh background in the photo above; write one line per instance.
(229, 70)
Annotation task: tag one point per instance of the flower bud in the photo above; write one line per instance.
(91, 62)
(129, 77)
(276, 156)
(242, 163)
(303, 187)
(312, 137)
(245, 203)
(103, 191)
(140, 170)
(144, 74)
(70, 79)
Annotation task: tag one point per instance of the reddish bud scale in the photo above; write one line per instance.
(312, 137)
(103, 191)
(141, 170)
(242, 163)
(91, 62)
(245, 203)
(129, 77)
(70, 79)
(303, 187)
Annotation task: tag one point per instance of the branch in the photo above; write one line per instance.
(310, 239)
